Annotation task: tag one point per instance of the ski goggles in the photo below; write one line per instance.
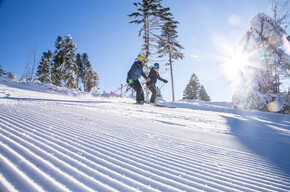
(156, 67)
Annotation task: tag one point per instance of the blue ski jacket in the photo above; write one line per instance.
(135, 71)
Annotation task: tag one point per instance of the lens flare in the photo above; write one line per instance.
(274, 106)
(286, 44)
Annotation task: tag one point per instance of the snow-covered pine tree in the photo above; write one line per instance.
(43, 69)
(90, 76)
(87, 75)
(58, 59)
(95, 83)
(264, 47)
(1, 71)
(202, 95)
(168, 45)
(192, 89)
(188, 92)
(69, 68)
(80, 69)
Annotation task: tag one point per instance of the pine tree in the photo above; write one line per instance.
(192, 89)
(68, 68)
(1, 71)
(58, 59)
(95, 82)
(87, 73)
(43, 70)
(150, 14)
(168, 45)
(80, 72)
(202, 95)
(90, 77)
(188, 92)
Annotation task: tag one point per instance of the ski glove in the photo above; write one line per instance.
(165, 81)
(131, 81)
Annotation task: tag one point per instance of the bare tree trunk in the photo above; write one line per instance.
(171, 71)
(147, 31)
(147, 54)
(33, 65)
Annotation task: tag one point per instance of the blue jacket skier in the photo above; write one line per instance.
(133, 75)
(154, 75)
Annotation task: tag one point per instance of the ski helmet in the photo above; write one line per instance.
(156, 65)
(142, 59)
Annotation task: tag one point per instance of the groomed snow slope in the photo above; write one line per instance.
(52, 139)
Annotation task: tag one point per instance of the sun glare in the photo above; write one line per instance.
(238, 61)
(235, 65)
(233, 59)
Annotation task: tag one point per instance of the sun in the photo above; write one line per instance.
(235, 66)
(238, 61)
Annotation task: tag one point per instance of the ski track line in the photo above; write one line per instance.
(161, 168)
(138, 135)
(196, 158)
(26, 168)
(148, 109)
(5, 185)
(37, 159)
(245, 159)
(162, 179)
(177, 166)
(256, 165)
(62, 150)
(162, 186)
(107, 183)
(118, 124)
(136, 154)
(25, 183)
(211, 146)
(99, 139)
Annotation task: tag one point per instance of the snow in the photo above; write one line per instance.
(55, 139)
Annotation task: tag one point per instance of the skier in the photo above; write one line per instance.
(154, 75)
(133, 75)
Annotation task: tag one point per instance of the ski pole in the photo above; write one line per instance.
(141, 85)
(115, 91)
(162, 86)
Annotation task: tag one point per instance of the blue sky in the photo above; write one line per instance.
(208, 30)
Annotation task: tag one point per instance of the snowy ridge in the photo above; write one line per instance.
(54, 142)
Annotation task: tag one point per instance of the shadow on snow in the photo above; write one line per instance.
(265, 134)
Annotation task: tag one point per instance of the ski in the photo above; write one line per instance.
(154, 104)
(159, 105)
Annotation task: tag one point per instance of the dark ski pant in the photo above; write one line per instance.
(139, 91)
(152, 88)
